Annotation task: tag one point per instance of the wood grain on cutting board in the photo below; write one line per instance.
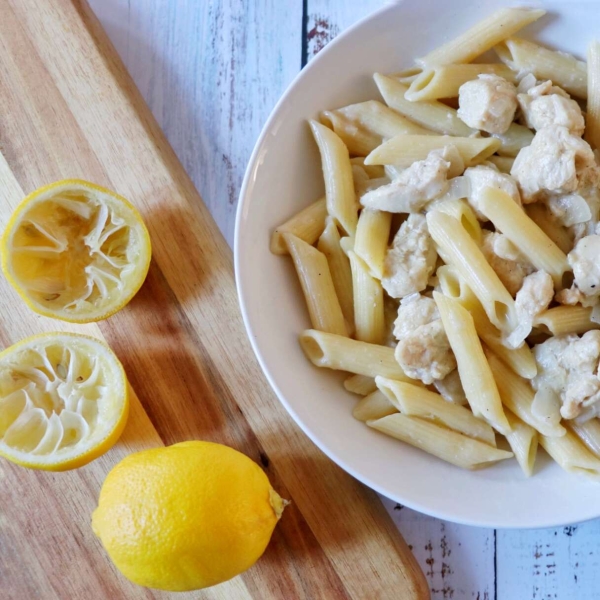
(68, 109)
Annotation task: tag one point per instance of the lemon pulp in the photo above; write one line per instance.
(76, 251)
(63, 401)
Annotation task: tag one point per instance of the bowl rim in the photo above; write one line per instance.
(243, 198)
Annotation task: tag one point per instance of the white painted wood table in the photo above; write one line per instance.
(211, 71)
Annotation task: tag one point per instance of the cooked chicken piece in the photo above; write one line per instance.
(535, 295)
(545, 105)
(426, 354)
(585, 262)
(508, 263)
(412, 188)
(414, 311)
(568, 367)
(488, 103)
(411, 259)
(423, 350)
(551, 163)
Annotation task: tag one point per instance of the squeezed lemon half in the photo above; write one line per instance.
(75, 251)
(63, 401)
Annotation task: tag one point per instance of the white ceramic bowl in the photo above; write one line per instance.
(283, 176)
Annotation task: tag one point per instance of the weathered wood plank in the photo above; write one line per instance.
(211, 73)
(549, 563)
(327, 18)
(458, 561)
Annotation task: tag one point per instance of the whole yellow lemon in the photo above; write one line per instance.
(187, 516)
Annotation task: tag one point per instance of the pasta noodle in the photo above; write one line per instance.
(542, 217)
(434, 116)
(503, 163)
(592, 122)
(337, 171)
(523, 441)
(475, 373)
(520, 359)
(363, 127)
(561, 320)
(458, 249)
(588, 433)
(482, 36)
(562, 68)
(510, 219)
(306, 225)
(444, 81)
(513, 140)
(371, 242)
(360, 384)
(446, 444)
(403, 150)
(344, 354)
(517, 395)
(317, 285)
(416, 401)
(369, 321)
(570, 453)
(373, 406)
(463, 213)
(339, 266)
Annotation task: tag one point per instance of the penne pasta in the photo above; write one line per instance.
(482, 36)
(457, 248)
(369, 322)
(570, 453)
(337, 171)
(403, 150)
(373, 406)
(517, 395)
(339, 266)
(407, 76)
(371, 241)
(563, 69)
(364, 126)
(347, 245)
(416, 401)
(463, 213)
(360, 384)
(344, 354)
(511, 220)
(592, 121)
(561, 320)
(503, 163)
(513, 140)
(523, 441)
(448, 445)
(444, 81)
(588, 433)
(306, 225)
(373, 171)
(315, 278)
(562, 236)
(521, 359)
(475, 373)
(434, 116)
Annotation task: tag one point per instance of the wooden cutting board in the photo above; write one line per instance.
(69, 109)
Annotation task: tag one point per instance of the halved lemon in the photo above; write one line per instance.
(75, 251)
(63, 401)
